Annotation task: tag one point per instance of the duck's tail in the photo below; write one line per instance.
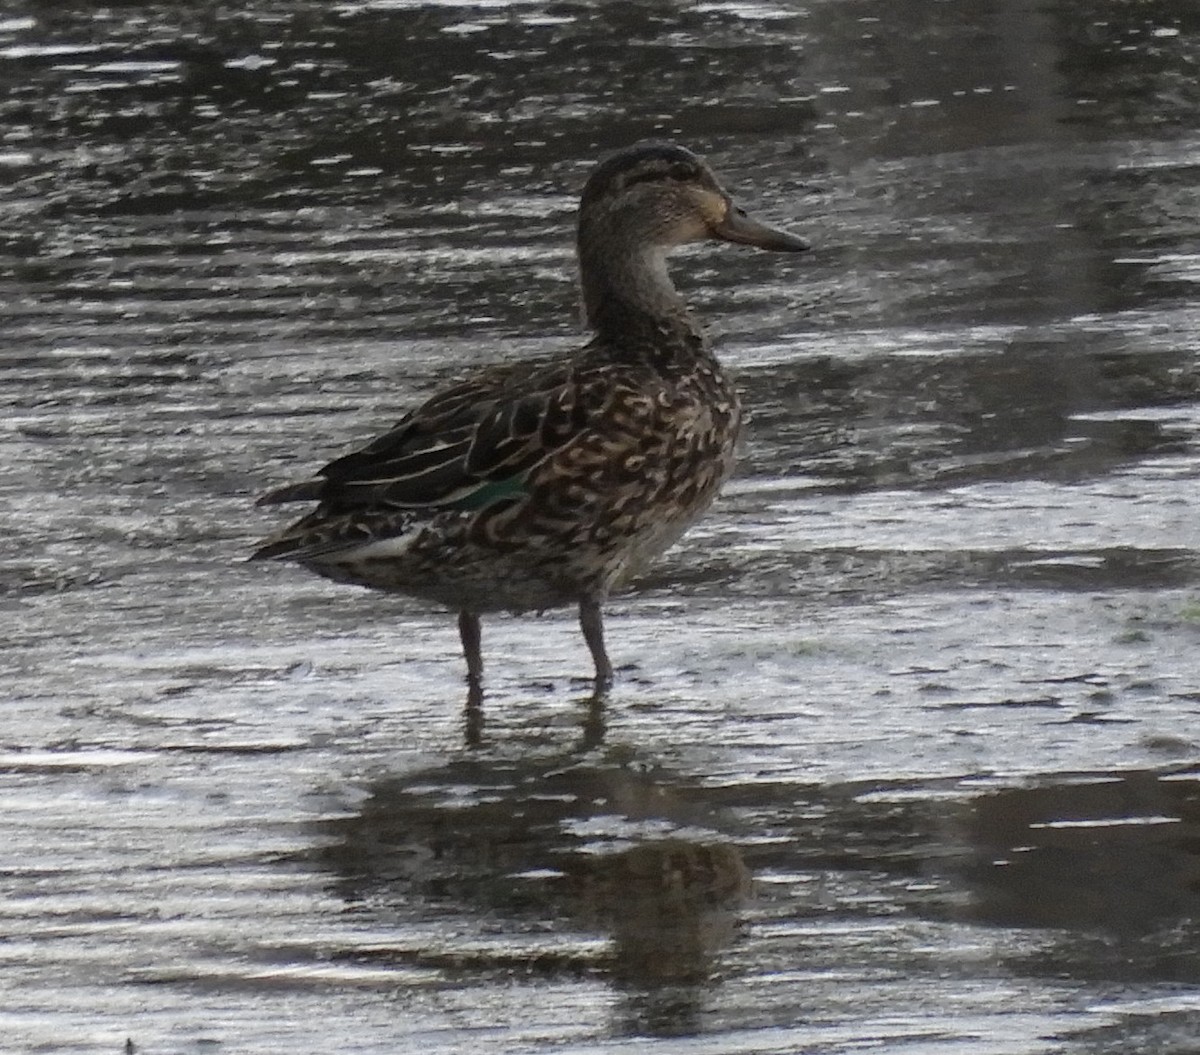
(305, 491)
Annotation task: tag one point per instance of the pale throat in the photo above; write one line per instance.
(634, 280)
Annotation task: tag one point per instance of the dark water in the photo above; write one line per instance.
(903, 753)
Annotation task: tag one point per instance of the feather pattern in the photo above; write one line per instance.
(491, 427)
(540, 447)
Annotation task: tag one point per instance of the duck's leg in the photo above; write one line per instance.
(591, 622)
(468, 630)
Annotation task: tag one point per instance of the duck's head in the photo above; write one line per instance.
(659, 195)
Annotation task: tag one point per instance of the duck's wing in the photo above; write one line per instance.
(469, 445)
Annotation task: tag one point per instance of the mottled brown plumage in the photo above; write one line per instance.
(552, 481)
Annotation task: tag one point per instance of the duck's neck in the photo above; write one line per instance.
(627, 294)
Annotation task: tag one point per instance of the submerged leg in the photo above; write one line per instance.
(591, 622)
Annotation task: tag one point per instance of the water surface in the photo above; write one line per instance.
(902, 754)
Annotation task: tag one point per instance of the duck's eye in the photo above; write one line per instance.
(681, 170)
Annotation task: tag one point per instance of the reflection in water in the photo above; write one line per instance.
(669, 904)
(1110, 863)
(593, 723)
(1019, 408)
(1119, 854)
(562, 844)
(672, 907)
(1107, 864)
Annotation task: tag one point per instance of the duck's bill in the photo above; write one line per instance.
(743, 229)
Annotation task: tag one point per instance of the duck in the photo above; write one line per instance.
(553, 481)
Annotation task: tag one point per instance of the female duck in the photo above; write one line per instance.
(553, 481)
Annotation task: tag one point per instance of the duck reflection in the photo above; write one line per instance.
(565, 846)
(592, 727)
(670, 904)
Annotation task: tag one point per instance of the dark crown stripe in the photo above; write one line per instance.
(605, 175)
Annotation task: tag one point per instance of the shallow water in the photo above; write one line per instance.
(902, 754)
